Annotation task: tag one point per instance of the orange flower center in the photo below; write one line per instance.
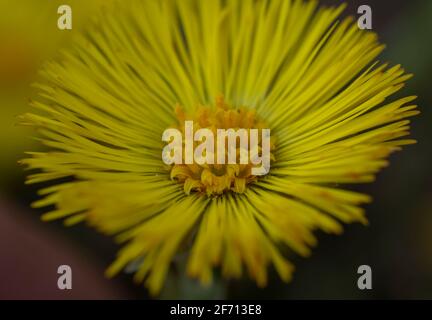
(216, 179)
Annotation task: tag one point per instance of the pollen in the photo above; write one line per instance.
(217, 179)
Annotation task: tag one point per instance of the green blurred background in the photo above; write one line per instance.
(397, 244)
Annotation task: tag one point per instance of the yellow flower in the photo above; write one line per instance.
(147, 66)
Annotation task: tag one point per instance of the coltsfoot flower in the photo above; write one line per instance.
(300, 70)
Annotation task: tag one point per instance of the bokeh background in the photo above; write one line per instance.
(397, 244)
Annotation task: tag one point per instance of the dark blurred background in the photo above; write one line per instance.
(397, 244)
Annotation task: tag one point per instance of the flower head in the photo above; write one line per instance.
(287, 65)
